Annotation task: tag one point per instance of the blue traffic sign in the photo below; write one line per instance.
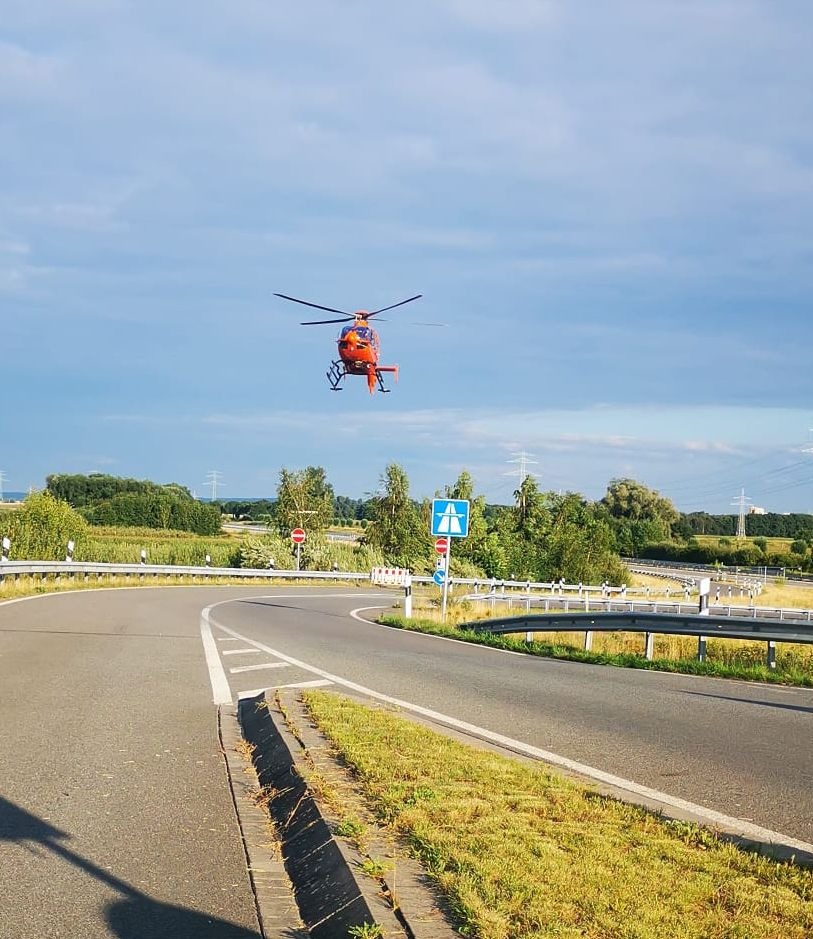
(450, 517)
(439, 576)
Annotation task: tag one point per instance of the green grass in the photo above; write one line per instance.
(521, 853)
(784, 674)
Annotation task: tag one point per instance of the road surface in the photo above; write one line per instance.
(115, 812)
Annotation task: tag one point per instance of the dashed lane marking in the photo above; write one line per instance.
(241, 651)
(256, 668)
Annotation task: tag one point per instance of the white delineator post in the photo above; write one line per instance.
(6, 548)
(408, 595)
(69, 555)
(703, 588)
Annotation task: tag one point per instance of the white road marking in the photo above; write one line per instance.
(414, 632)
(297, 684)
(710, 816)
(221, 692)
(227, 639)
(240, 651)
(256, 668)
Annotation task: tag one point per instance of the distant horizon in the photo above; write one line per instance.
(17, 496)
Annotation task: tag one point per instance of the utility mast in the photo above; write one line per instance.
(742, 504)
(214, 479)
(523, 462)
(3, 479)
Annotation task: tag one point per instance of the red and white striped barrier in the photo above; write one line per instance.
(389, 576)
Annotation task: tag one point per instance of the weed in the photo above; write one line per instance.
(350, 827)
(374, 868)
(366, 931)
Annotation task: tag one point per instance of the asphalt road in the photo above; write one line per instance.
(738, 748)
(115, 814)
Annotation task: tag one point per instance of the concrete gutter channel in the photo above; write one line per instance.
(320, 876)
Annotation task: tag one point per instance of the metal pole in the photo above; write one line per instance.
(298, 549)
(446, 556)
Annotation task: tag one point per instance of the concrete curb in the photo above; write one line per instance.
(274, 898)
(330, 897)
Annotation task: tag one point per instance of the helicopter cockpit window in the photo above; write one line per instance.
(346, 331)
(364, 332)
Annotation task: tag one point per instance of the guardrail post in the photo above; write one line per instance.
(408, 595)
(649, 650)
(588, 641)
(701, 648)
(771, 661)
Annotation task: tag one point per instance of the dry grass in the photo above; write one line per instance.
(521, 853)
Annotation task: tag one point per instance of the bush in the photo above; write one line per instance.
(42, 528)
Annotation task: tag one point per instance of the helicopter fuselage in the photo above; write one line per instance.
(359, 347)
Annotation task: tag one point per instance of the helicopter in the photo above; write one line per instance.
(358, 344)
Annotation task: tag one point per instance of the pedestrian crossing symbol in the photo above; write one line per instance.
(450, 517)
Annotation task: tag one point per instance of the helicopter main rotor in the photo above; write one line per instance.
(346, 317)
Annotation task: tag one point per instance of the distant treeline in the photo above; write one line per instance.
(113, 500)
(770, 525)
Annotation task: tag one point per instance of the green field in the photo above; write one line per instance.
(775, 545)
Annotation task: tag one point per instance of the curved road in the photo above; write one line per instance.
(115, 812)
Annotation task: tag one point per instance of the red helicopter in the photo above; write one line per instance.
(358, 344)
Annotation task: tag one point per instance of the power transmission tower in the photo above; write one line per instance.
(523, 462)
(214, 479)
(742, 504)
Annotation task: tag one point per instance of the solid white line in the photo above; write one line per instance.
(414, 632)
(221, 692)
(227, 639)
(256, 668)
(240, 651)
(298, 684)
(710, 816)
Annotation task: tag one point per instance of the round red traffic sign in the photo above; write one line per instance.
(441, 545)
(298, 535)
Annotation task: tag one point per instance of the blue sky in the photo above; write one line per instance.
(610, 205)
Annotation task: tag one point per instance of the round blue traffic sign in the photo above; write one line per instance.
(438, 577)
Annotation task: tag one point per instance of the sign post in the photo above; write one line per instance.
(450, 519)
(298, 536)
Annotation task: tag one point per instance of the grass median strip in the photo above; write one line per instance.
(793, 673)
(520, 852)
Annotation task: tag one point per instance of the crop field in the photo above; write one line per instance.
(124, 545)
(775, 545)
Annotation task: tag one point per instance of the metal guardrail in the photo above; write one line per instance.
(100, 569)
(652, 624)
(585, 605)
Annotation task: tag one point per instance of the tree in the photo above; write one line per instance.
(398, 528)
(304, 500)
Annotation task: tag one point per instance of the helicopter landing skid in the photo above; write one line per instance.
(335, 374)
(381, 387)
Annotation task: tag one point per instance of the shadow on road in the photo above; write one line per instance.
(764, 704)
(135, 915)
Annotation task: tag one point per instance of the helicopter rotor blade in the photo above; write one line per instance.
(316, 306)
(346, 319)
(394, 305)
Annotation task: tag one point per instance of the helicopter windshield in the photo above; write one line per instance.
(363, 332)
